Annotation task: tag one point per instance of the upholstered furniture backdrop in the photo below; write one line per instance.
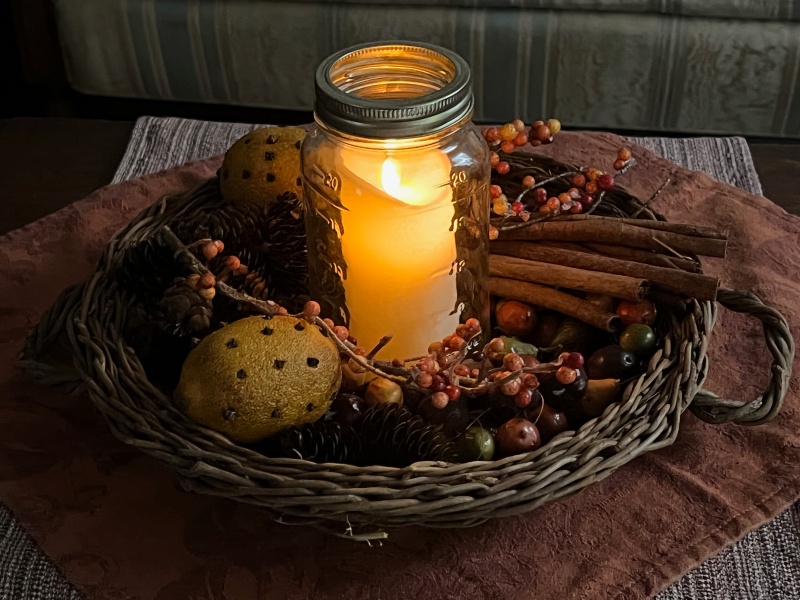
(712, 66)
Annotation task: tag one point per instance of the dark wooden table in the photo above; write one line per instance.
(46, 164)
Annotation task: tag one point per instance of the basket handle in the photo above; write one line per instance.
(711, 408)
(57, 320)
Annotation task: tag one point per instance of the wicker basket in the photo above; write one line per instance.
(362, 501)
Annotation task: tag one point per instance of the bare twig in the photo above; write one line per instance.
(651, 199)
(379, 346)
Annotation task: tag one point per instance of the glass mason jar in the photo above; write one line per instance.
(396, 193)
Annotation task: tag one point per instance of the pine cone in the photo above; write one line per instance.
(185, 310)
(219, 220)
(285, 238)
(393, 436)
(149, 267)
(323, 441)
(272, 243)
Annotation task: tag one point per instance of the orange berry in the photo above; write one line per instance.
(594, 174)
(553, 203)
(494, 233)
(425, 380)
(503, 167)
(624, 154)
(461, 370)
(207, 281)
(435, 347)
(521, 139)
(511, 388)
(456, 342)
(496, 345)
(519, 125)
(579, 180)
(340, 331)
(210, 250)
(311, 309)
(591, 187)
(541, 133)
(507, 146)
(566, 375)
(528, 181)
(530, 381)
(427, 365)
(232, 263)
(564, 198)
(473, 324)
(494, 158)
(439, 400)
(523, 398)
(619, 164)
(512, 362)
(491, 134)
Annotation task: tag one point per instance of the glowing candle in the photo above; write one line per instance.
(396, 196)
(398, 246)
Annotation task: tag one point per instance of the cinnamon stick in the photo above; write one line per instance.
(680, 228)
(691, 285)
(547, 297)
(645, 256)
(614, 231)
(563, 275)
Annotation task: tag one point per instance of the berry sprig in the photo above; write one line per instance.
(442, 373)
(515, 134)
(521, 195)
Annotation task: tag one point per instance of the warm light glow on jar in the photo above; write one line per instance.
(396, 194)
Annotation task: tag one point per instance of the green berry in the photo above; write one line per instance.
(638, 338)
(476, 444)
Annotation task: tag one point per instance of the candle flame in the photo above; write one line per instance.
(390, 178)
(392, 183)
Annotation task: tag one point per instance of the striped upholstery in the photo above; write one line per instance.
(710, 66)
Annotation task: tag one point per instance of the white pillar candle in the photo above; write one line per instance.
(398, 246)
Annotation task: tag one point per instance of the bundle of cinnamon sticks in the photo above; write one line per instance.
(630, 259)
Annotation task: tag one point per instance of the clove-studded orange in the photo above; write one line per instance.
(259, 376)
(261, 166)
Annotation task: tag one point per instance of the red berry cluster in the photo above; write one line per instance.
(515, 134)
(520, 387)
(570, 363)
(585, 187)
(433, 370)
